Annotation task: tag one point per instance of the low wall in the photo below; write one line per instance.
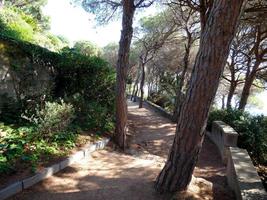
(155, 107)
(159, 109)
(224, 137)
(242, 176)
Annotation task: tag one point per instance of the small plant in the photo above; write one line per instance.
(54, 117)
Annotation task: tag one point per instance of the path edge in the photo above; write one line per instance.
(85, 152)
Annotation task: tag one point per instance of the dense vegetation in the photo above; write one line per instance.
(37, 126)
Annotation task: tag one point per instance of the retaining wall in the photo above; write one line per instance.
(242, 176)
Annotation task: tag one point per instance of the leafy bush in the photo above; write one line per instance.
(14, 25)
(163, 100)
(53, 118)
(228, 116)
(252, 131)
(98, 117)
(83, 81)
(26, 147)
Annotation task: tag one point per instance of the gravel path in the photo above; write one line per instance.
(112, 175)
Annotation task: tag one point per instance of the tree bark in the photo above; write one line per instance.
(210, 61)
(233, 81)
(231, 93)
(142, 85)
(246, 90)
(223, 101)
(122, 66)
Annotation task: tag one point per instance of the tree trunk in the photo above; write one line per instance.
(251, 74)
(135, 89)
(142, 85)
(179, 94)
(122, 66)
(223, 102)
(230, 95)
(246, 90)
(210, 61)
(133, 92)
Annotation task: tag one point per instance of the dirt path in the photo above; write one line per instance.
(111, 175)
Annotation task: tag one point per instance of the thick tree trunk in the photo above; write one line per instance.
(211, 58)
(122, 66)
(142, 85)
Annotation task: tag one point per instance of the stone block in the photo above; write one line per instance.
(45, 173)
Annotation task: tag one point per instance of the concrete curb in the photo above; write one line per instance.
(49, 171)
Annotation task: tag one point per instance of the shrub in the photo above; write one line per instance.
(163, 100)
(14, 24)
(24, 145)
(98, 117)
(54, 117)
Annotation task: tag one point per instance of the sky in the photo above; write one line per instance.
(75, 23)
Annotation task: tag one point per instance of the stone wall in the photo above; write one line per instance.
(242, 176)
(224, 137)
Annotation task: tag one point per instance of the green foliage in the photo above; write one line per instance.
(161, 99)
(53, 118)
(26, 146)
(15, 25)
(86, 83)
(87, 48)
(99, 117)
(33, 9)
(79, 79)
(228, 116)
(252, 131)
